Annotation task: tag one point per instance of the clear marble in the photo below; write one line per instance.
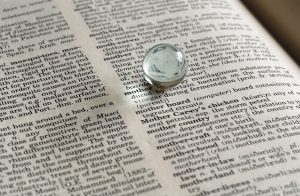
(164, 65)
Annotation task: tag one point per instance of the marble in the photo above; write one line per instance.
(164, 66)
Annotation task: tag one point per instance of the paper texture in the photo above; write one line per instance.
(78, 118)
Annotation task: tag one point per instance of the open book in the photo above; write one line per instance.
(78, 118)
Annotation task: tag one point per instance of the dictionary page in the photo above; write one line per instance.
(78, 118)
(61, 126)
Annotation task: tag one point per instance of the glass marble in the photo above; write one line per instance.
(164, 66)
